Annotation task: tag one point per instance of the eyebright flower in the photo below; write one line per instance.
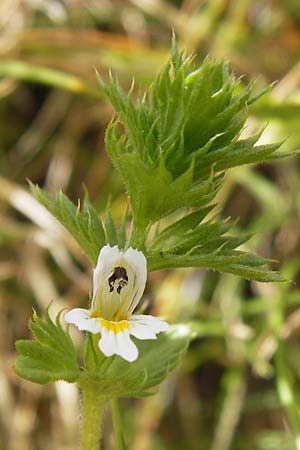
(119, 281)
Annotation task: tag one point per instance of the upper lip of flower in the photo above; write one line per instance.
(119, 281)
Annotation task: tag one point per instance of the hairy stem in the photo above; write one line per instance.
(91, 416)
(138, 236)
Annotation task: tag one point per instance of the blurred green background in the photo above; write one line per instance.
(238, 387)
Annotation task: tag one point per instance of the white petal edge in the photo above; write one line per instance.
(138, 262)
(108, 258)
(81, 319)
(146, 327)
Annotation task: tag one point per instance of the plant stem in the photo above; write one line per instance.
(21, 70)
(138, 236)
(116, 416)
(233, 394)
(287, 394)
(92, 411)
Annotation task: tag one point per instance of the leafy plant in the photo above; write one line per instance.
(171, 147)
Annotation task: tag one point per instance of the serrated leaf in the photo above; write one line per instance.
(186, 115)
(235, 262)
(199, 236)
(50, 357)
(179, 228)
(171, 147)
(85, 226)
(169, 194)
(156, 360)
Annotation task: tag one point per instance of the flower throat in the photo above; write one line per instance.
(118, 278)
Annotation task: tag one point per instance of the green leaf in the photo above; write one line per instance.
(179, 228)
(92, 356)
(84, 225)
(50, 357)
(122, 230)
(186, 114)
(173, 146)
(110, 228)
(190, 242)
(153, 193)
(116, 377)
(238, 263)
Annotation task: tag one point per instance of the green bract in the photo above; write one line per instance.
(188, 241)
(172, 146)
(179, 137)
(50, 357)
(118, 378)
(83, 224)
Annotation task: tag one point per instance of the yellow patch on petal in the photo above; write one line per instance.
(95, 314)
(116, 327)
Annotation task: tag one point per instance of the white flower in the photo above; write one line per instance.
(119, 281)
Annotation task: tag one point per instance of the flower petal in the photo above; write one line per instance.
(118, 344)
(81, 318)
(138, 262)
(107, 259)
(146, 327)
(125, 347)
(76, 315)
(108, 342)
(115, 303)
